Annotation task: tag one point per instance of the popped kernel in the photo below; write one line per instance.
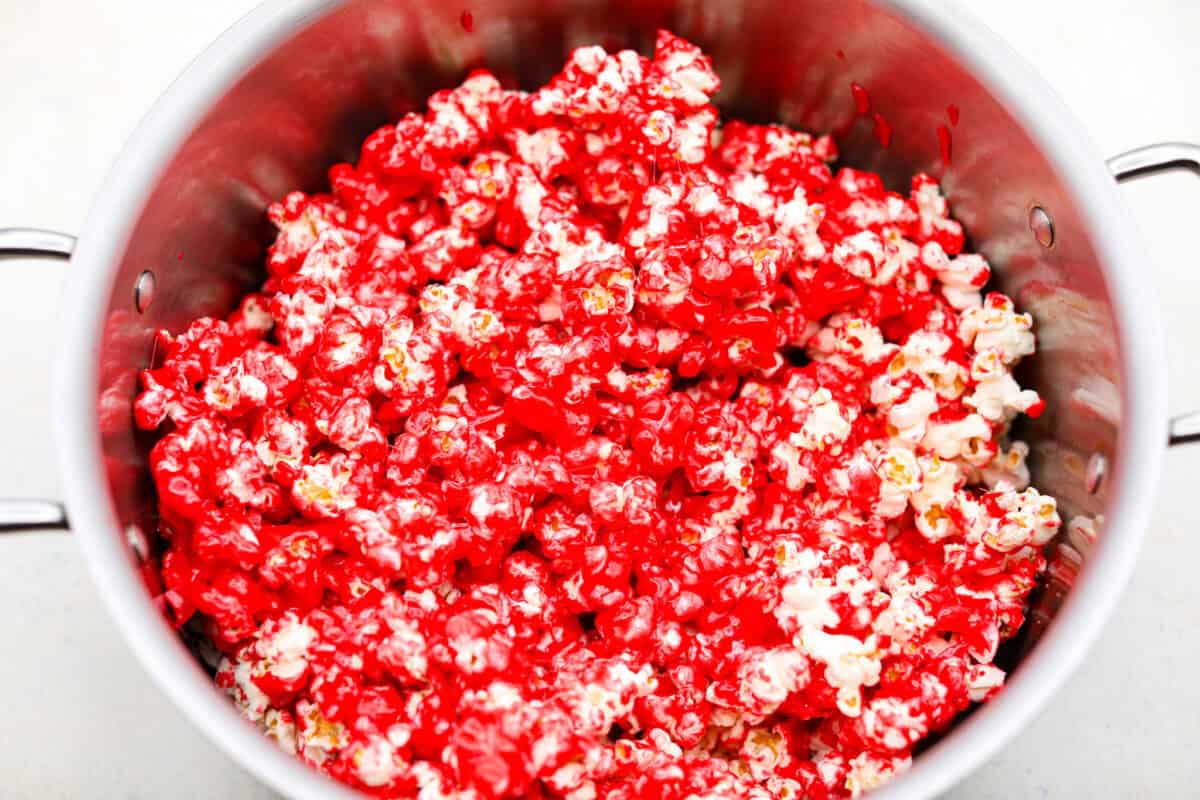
(577, 447)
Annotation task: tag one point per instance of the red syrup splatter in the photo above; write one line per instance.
(883, 131)
(943, 135)
(862, 100)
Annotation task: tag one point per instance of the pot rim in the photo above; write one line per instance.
(1134, 475)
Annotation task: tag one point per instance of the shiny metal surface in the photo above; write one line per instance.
(296, 85)
(1185, 429)
(1097, 468)
(1153, 159)
(17, 515)
(35, 242)
(1042, 226)
(143, 291)
(310, 102)
(1143, 162)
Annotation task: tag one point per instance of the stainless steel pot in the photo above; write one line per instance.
(178, 231)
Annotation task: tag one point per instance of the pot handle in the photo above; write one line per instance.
(1154, 159)
(18, 515)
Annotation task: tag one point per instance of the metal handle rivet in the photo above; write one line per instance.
(138, 544)
(1042, 226)
(1093, 476)
(143, 291)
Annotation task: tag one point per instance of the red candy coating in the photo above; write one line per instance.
(578, 447)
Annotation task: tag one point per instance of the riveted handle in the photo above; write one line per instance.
(1154, 159)
(35, 242)
(16, 515)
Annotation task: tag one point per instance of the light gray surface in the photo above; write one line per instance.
(77, 717)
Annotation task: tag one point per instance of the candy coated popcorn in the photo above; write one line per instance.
(577, 447)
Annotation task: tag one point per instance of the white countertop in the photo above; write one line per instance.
(78, 718)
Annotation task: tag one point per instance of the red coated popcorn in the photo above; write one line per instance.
(578, 447)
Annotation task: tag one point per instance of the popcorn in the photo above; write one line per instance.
(377, 763)
(968, 438)
(983, 681)
(910, 420)
(961, 277)
(941, 480)
(925, 354)
(766, 678)
(764, 751)
(1029, 517)
(1007, 469)
(905, 620)
(868, 771)
(901, 477)
(575, 446)
(850, 664)
(237, 681)
(996, 326)
(323, 489)
(281, 727)
(892, 724)
(317, 737)
(825, 425)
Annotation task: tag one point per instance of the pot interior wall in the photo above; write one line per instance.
(311, 101)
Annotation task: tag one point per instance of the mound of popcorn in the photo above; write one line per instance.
(579, 447)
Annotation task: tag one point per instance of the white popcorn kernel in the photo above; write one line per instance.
(863, 341)
(892, 723)
(1030, 518)
(1007, 470)
(378, 763)
(869, 771)
(281, 728)
(251, 701)
(404, 650)
(750, 189)
(997, 395)
(825, 424)
(900, 477)
(333, 253)
(690, 143)
(767, 679)
(284, 653)
(785, 459)
(941, 480)
(322, 488)
(763, 751)
(968, 438)
(910, 418)
(850, 664)
(589, 59)
(962, 277)
(502, 696)
(924, 354)
(692, 81)
(797, 222)
(405, 358)
(861, 255)
(804, 603)
(542, 149)
(905, 619)
(983, 680)
(996, 326)
(317, 737)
